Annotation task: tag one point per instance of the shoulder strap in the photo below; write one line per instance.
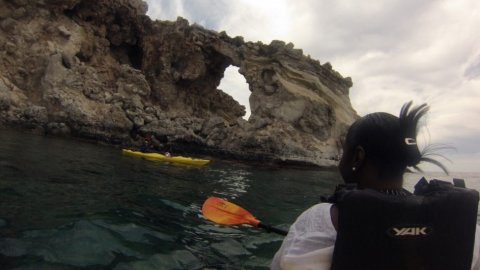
(340, 190)
(424, 187)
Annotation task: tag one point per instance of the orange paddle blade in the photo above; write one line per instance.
(223, 212)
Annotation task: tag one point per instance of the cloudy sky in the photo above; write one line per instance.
(394, 50)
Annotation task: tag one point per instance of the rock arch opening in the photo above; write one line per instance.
(235, 85)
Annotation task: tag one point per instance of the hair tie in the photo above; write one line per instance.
(410, 141)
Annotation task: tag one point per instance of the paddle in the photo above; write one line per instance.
(222, 212)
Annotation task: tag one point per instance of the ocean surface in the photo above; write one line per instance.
(67, 204)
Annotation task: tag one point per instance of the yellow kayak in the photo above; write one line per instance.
(158, 156)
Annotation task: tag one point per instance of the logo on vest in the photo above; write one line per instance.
(409, 231)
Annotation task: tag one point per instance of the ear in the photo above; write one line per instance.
(358, 157)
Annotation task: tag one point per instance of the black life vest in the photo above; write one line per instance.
(434, 228)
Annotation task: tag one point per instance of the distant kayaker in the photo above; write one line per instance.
(378, 149)
(147, 145)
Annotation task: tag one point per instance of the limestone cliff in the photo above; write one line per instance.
(103, 70)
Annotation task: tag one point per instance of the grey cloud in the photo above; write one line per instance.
(405, 35)
(207, 13)
(467, 144)
(473, 70)
(162, 9)
(363, 26)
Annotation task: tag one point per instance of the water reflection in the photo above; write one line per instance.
(232, 183)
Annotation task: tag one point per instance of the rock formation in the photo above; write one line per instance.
(103, 70)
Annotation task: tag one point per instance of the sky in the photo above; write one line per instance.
(394, 51)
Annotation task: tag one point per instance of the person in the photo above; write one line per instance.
(147, 145)
(378, 149)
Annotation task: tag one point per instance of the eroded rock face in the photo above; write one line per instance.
(103, 70)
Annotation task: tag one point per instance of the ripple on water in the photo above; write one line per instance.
(178, 259)
(232, 185)
(3, 223)
(85, 243)
(230, 248)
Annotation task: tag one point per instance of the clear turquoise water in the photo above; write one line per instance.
(66, 204)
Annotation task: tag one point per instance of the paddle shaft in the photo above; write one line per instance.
(270, 228)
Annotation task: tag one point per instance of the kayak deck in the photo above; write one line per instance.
(158, 156)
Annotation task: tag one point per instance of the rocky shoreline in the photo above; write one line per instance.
(104, 71)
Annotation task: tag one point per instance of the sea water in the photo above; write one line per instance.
(67, 204)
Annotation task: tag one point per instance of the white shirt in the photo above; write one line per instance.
(310, 241)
